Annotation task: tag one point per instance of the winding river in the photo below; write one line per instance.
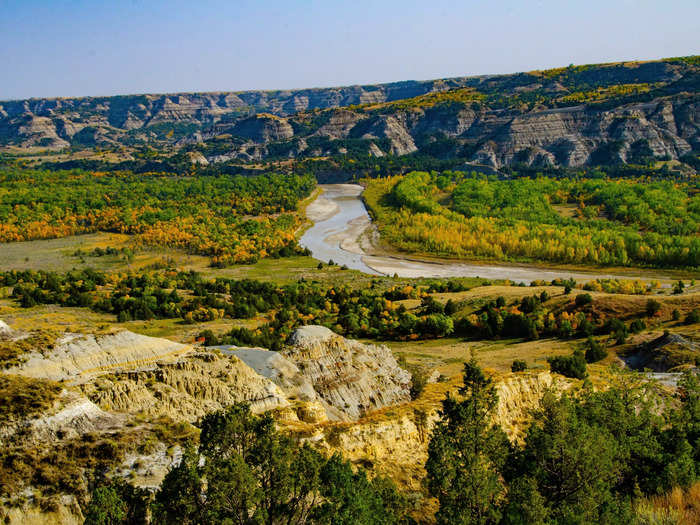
(342, 228)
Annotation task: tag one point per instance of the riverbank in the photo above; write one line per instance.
(343, 232)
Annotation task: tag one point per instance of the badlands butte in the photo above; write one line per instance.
(498, 322)
(572, 116)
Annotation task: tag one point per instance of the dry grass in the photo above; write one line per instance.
(24, 397)
(448, 355)
(678, 507)
(12, 352)
(65, 466)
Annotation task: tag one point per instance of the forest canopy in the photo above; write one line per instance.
(232, 219)
(597, 221)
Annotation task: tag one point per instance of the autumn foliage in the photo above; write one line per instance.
(233, 219)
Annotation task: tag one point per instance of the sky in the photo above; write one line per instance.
(52, 48)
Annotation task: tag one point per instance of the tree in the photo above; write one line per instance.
(653, 307)
(637, 326)
(106, 507)
(572, 464)
(466, 453)
(451, 307)
(253, 474)
(693, 317)
(525, 505)
(179, 499)
(351, 499)
(518, 366)
(678, 288)
(274, 478)
(594, 351)
(583, 299)
(569, 366)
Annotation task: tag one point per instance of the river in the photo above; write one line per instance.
(339, 233)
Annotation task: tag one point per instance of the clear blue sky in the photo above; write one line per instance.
(103, 47)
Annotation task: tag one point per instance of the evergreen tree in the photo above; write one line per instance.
(465, 454)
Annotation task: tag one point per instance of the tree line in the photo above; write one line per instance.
(581, 221)
(232, 219)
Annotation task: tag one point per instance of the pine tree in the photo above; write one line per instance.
(466, 453)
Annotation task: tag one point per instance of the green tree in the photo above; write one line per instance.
(653, 307)
(594, 351)
(518, 365)
(106, 507)
(678, 288)
(351, 499)
(253, 474)
(179, 499)
(466, 453)
(573, 467)
(569, 366)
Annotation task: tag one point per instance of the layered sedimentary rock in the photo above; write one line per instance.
(76, 358)
(195, 384)
(323, 371)
(660, 121)
(349, 375)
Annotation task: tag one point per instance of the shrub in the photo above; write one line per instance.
(569, 366)
(653, 307)
(676, 315)
(518, 366)
(693, 317)
(418, 380)
(595, 351)
(637, 326)
(583, 299)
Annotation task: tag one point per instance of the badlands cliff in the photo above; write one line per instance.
(585, 115)
(338, 394)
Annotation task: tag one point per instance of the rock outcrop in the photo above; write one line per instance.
(5, 330)
(322, 371)
(351, 376)
(537, 126)
(395, 441)
(76, 358)
(71, 415)
(59, 122)
(186, 389)
(664, 353)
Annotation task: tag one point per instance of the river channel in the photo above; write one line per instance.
(340, 233)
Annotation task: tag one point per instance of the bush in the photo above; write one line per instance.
(594, 351)
(676, 315)
(418, 380)
(693, 317)
(653, 307)
(583, 299)
(637, 326)
(569, 366)
(518, 366)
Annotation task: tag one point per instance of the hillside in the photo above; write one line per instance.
(571, 116)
